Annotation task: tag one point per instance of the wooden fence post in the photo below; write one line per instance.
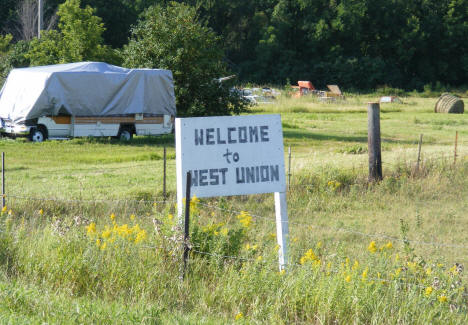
(164, 173)
(373, 142)
(289, 169)
(3, 179)
(419, 152)
(187, 221)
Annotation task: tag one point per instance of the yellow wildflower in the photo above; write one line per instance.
(4, 209)
(372, 247)
(294, 239)
(170, 216)
(348, 278)
(106, 233)
(364, 274)
(155, 204)
(239, 316)
(224, 232)
(41, 212)
(308, 256)
(141, 235)
(397, 271)
(454, 270)
(10, 212)
(259, 258)
(91, 228)
(442, 298)
(98, 242)
(132, 217)
(282, 272)
(319, 245)
(355, 265)
(103, 246)
(411, 265)
(428, 291)
(389, 245)
(429, 271)
(112, 216)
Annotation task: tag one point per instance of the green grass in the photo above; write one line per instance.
(52, 271)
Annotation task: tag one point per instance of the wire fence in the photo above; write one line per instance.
(271, 219)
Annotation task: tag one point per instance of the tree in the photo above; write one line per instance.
(79, 38)
(172, 38)
(11, 55)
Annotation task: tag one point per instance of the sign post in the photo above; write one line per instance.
(234, 155)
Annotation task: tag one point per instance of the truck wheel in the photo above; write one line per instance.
(125, 135)
(38, 134)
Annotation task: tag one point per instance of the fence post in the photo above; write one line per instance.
(164, 173)
(419, 152)
(187, 221)
(455, 150)
(3, 179)
(289, 169)
(373, 142)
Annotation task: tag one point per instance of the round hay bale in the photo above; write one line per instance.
(448, 103)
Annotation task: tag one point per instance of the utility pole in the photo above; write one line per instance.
(39, 17)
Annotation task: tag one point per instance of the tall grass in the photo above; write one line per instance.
(88, 238)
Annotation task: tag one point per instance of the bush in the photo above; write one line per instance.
(172, 38)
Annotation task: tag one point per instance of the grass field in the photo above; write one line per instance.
(87, 238)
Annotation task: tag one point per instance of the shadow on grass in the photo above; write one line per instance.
(167, 140)
(305, 135)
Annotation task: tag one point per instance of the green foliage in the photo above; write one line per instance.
(79, 38)
(12, 55)
(172, 38)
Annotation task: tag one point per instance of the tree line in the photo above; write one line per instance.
(358, 44)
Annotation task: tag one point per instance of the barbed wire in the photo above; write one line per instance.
(88, 201)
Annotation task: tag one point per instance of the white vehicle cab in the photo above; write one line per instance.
(86, 99)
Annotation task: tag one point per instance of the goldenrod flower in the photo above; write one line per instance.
(428, 291)
(355, 265)
(429, 271)
(98, 242)
(348, 278)
(308, 256)
(41, 212)
(364, 274)
(106, 233)
(239, 316)
(112, 216)
(132, 217)
(10, 212)
(224, 232)
(397, 271)
(103, 246)
(4, 209)
(141, 236)
(442, 298)
(319, 245)
(91, 228)
(372, 247)
(389, 245)
(259, 258)
(454, 270)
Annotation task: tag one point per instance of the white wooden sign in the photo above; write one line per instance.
(234, 155)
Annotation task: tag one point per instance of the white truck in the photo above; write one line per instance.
(86, 99)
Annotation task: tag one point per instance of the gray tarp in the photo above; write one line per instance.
(86, 89)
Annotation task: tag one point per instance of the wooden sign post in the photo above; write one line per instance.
(234, 155)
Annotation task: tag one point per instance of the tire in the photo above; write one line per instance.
(38, 134)
(125, 134)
